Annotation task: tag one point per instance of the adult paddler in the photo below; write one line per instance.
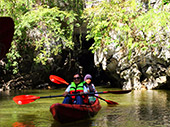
(77, 86)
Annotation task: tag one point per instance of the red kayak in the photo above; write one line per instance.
(65, 113)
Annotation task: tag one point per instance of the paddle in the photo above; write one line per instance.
(26, 99)
(108, 101)
(59, 80)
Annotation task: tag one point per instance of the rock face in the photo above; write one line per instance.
(136, 68)
(149, 68)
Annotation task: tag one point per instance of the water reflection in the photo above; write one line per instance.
(23, 124)
(82, 123)
(137, 109)
(150, 104)
(151, 107)
(35, 123)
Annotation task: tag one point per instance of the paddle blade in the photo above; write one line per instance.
(24, 99)
(53, 79)
(111, 102)
(107, 101)
(58, 80)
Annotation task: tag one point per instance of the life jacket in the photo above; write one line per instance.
(91, 99)
(77, 89)
(91, 87)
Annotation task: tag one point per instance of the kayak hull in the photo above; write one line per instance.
(65, 113)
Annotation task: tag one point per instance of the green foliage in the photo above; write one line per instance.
(124, 24)
(40, 31)
(166, 2)
(107, 17)
(46, 27)
(152, 20)
(43, 28)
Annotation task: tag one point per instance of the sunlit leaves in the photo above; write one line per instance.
(124, 23)
(47, 23)
(109, 16)
(40, 31)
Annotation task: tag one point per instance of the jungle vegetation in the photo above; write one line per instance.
(43, 28)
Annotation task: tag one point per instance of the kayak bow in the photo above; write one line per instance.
(65, 113)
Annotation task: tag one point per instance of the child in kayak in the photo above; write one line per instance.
(90, 86)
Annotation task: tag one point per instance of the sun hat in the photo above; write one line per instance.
(87, 76)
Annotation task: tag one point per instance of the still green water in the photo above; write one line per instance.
(150, 108)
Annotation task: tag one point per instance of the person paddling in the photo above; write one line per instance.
(77, 86)
(90, 86)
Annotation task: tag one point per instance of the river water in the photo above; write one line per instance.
(149, 108)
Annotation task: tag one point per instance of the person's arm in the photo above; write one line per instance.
(67, 91)
(85, 89)
(94, 89)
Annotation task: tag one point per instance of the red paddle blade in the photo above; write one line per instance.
(111, 102)
(58, 80)
(53, 79)
(108, 101)
(24, 99)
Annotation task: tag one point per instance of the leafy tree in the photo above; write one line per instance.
(125, 24)
(40, 31)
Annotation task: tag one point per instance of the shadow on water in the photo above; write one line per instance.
(22, 122)
(82, 123)
(148, 108)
